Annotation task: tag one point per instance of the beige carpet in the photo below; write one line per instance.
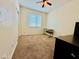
(34, 47)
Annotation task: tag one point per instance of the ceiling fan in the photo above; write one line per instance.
(44, 3)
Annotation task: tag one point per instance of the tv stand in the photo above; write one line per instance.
(66, 48)
(70, 39)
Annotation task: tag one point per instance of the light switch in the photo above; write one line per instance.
(0, 13)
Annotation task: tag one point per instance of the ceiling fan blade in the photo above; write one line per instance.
(44, 0)
(49, 3)
(42, 5)
(39, 2)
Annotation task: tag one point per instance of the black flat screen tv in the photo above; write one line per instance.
(76, 31)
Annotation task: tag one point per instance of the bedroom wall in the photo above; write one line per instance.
(24, 29)
(8, 28)
(63, 19)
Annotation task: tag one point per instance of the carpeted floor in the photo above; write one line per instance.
(34, 47)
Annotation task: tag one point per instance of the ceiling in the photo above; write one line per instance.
(33, 5)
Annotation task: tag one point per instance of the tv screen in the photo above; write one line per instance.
(76, 31)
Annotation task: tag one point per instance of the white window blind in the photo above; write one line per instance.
(34, 20)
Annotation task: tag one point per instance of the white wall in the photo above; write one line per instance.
(63, 19)
(8, 28)
(24, 29)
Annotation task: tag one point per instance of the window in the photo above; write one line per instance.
(34, 20)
